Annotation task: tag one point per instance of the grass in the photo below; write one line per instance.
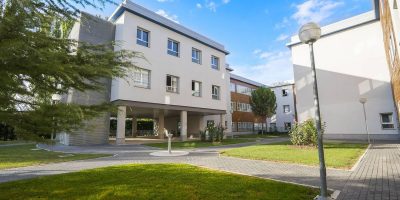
(266, 135)
(337, 155)
(24, 155)
(155, 181)
(2, 142)
(198, 144)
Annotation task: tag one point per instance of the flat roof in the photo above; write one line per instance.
(342, 25)
(246, 80)
(162, 21)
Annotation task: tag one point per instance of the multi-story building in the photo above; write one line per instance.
(351, 65)
(181, 85)
(243, 119)
(285, 115)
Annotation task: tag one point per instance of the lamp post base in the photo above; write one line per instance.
(323, 198)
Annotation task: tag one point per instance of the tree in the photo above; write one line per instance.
(37, 60)
(263, 103)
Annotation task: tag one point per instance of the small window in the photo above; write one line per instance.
(172, 84)
(196, 56)
(215, 92)
(141, 77)
(173, 48)
(215, 62)
(288, 126)
(142, 37)
(387, 121)
(196, 88)
(286, 109)
(233, 87)
(285, 92)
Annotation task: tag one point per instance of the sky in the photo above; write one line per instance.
(255, 32)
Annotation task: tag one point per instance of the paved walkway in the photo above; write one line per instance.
(377, 176)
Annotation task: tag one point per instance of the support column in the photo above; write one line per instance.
(134, 127)
(222, 118)
(161, 124)
(121, 120)
(184, 125)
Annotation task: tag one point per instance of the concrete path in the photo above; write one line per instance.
(377, 176)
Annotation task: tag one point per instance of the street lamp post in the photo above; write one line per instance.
(308, 34)
(55, 98)
(363, 101)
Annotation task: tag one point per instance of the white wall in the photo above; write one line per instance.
(280, 118)
(161, 64)
(350, 64)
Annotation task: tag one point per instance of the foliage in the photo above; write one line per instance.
(153, 181)
(212, 133)
(263, 102)
(304, 134)
(37, 61)
(199, 144)
(7, 133)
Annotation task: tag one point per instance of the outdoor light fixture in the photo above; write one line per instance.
(363, 101)
(308, 34)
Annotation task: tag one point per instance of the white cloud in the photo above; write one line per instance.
(315, 10)
(256, 51)
(211, 6)
(282, 37)
(226, 1)
(199, 6)
(162, 1)
(275, 67)
(283, 24)
(163, 13)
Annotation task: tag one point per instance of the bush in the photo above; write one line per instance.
(304, 134)
(212, 134)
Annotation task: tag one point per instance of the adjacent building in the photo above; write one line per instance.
(285, 115)
(351, 61)
(182, 85)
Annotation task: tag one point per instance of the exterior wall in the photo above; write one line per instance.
(239, 116)
(95, 31)
(280, 118)
(350, 64)
(390, 19)
(161, 64)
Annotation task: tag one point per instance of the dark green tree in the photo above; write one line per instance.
(263, 103)
(38, 60)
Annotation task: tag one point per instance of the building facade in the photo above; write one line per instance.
(181, 84)
(285, 116)
(351, 65)
(243, 119)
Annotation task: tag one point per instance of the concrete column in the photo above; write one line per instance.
(134, 127)
(161, 124)
(222, 121)
(184, 125)
(121, 119)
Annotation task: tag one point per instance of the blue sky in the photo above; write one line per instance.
(254, 31)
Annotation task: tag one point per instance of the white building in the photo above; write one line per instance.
(285, 116)
(182, 84)
(351, 64)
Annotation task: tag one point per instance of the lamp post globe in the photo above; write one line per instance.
(309, 33)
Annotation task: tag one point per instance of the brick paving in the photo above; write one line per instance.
(377, 175)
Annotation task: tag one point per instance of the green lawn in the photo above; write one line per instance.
(23, 155)
(337, 155)
(156, 181)
(198, 144)
(2, 142)
(265, 135)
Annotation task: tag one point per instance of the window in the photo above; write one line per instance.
(172, 84)
(272, 127)
(387, 121)
(233, 87)
(196, 88)
(233, 106)
(286, 109)
(288, 126)
(142, 37)
(210, 123)
(196, 56)
(173, 48)
(215, 92)
(244, 107)
(244, 90)
(215, 62)
(245, 126)
(285, 92)
(141, 77)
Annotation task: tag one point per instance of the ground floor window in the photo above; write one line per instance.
(259, 126)
(245, 126)
(288, 126)
(234, 127)
(272, 127)
(387, 121)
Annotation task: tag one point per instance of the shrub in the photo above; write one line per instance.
(304, 134)
(212, 134)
